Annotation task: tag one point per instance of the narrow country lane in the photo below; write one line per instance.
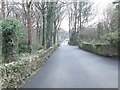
(70, 67)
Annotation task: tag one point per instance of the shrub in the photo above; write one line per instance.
(22, 47)
(110, 38)
(40, 47)
(36, 47)
(10, 27)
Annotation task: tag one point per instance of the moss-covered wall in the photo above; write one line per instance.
(14, 74)
(105, 50)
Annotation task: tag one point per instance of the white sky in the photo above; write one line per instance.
(100, 5)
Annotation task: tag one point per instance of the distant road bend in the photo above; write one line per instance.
(70, 67)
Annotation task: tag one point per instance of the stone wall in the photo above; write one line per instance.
(12, 75)
(104, 50)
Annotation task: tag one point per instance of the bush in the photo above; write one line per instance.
(10, 27)
(22, 47)
(36, 47)
(40, 47)
(110, 38)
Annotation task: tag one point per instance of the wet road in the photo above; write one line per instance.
(70, 67)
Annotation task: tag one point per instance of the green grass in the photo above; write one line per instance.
(22, 55)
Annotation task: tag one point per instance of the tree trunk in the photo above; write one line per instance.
(44, 30)
(55, 33)
(29, 27)
(3, 8)
(50, 22)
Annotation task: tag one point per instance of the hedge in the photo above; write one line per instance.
(101, 49)
(15, 73)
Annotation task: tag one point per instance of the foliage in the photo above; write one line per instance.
(22, 55)
(40, 47)
(15, 73)
(36, 47)
(110, 38)
(101, 49)
(106, 45)
(50, 23)
(10, 27)
(22, 48)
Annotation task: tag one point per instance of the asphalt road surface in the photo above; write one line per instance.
(71, 67)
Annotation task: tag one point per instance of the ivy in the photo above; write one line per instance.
(10, 27)
(15, 73)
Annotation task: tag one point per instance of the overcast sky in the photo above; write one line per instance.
(100, 5)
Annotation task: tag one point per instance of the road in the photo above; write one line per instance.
(71, 67)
